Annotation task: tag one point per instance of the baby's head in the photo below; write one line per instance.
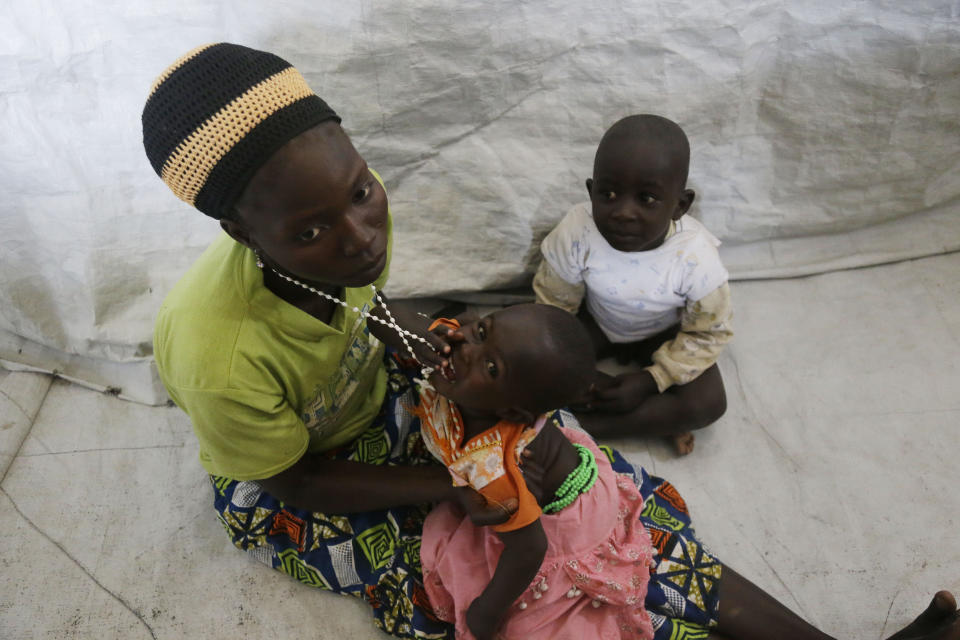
(639, 181)
(238, 134)
(519, 362)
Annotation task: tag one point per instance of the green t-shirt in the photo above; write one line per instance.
(262, 381)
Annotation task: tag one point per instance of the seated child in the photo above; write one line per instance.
(656, 291)
(596, 556)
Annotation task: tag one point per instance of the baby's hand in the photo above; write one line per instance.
(625, 393)
(533, 473)
(483, 624)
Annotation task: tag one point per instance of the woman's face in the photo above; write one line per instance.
(315, 211)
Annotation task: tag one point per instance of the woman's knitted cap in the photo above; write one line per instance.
(217, 114)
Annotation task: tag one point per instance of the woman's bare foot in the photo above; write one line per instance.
(682, 442)
(940, 621)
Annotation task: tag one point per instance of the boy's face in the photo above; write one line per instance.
(636, 190)
(498, 364)
(315, 210)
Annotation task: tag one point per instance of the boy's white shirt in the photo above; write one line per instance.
(633, 295)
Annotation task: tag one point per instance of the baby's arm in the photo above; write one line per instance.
(523, 553)
(705, 329)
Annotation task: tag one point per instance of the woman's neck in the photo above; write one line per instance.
(307, 301)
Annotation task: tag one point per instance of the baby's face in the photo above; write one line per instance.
(635, 192)
(497, 364)
(315, 210)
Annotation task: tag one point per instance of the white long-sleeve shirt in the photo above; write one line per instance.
(633, 295)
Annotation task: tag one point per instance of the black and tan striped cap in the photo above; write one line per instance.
(217, 114)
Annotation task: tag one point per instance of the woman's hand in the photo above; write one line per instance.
(442, 338)
(533, 473)
(481, 512)
(435, 355)
(449, 336)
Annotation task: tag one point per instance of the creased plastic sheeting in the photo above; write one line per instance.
(824, 136)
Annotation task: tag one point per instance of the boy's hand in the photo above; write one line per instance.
(624, 393)
(482, 622)
(602, 382)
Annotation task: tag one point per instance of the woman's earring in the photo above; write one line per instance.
(256, 254)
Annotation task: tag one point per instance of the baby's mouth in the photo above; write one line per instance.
(449, 371)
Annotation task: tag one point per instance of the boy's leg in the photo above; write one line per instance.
(678, 410)
(674, 413)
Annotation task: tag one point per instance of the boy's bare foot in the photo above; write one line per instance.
(941, 621)
(682, 442)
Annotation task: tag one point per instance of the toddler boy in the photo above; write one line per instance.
(656, 291)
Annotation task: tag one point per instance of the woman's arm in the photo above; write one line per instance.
(343, 486)
(523, 553)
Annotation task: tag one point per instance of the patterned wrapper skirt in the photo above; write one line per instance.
(376, 555)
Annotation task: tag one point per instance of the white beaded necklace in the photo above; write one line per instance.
(389, 322)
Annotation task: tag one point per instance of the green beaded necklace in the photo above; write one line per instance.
(579, 481)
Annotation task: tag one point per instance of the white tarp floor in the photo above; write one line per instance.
(831, 481)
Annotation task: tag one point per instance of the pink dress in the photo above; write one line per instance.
(592, 582)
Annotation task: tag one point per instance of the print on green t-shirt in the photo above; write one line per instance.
(330, 396)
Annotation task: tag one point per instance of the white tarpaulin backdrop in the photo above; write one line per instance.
(825, 135)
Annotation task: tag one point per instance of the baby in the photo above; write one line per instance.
(656, 291)
(506, 370)
(606, 550)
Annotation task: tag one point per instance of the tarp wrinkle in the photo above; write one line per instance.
(824, 136)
